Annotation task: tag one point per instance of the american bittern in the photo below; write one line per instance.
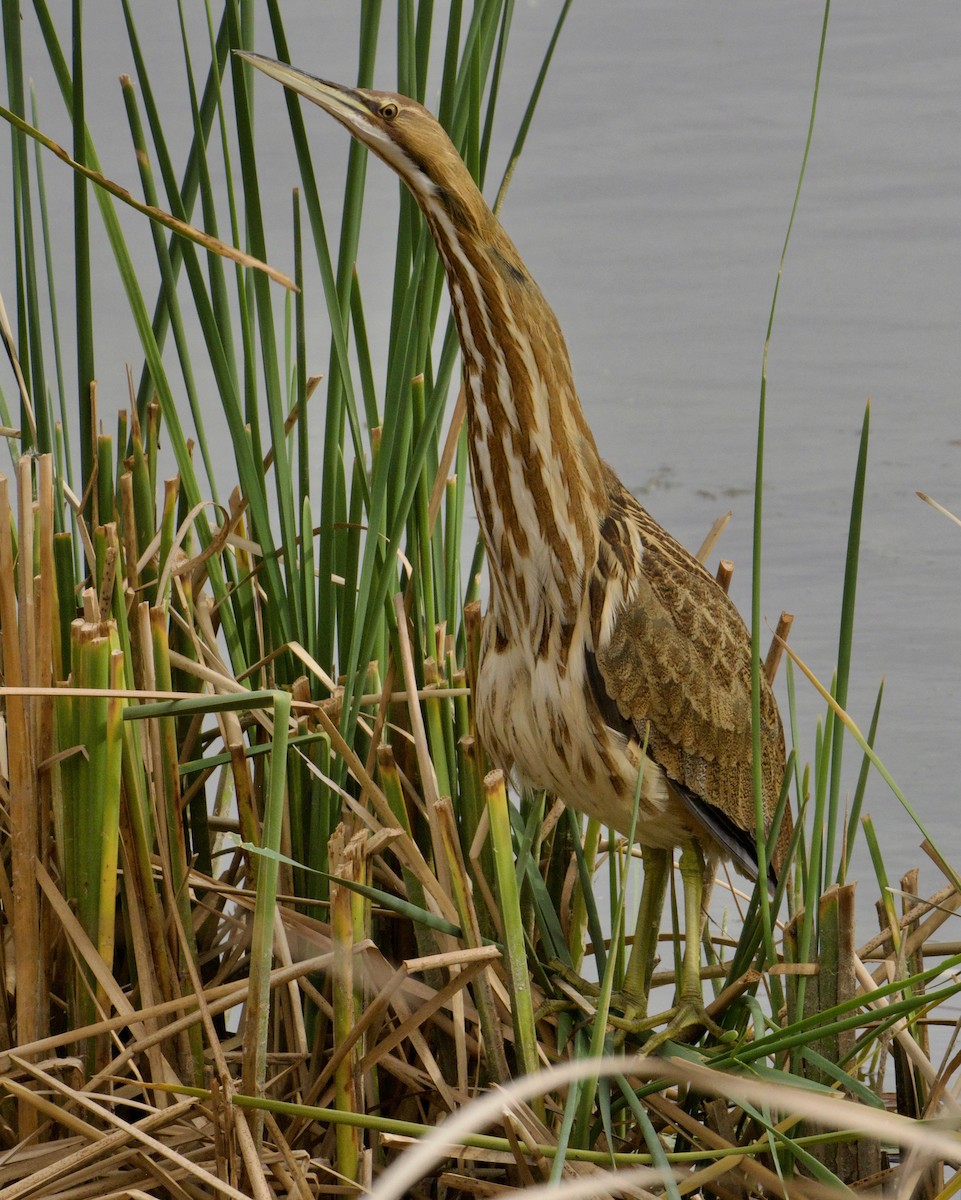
(603, 635)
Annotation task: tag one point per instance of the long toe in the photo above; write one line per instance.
(683, 1024)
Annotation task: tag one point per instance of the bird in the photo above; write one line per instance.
(614, 671)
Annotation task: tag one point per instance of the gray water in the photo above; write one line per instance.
(651, 204)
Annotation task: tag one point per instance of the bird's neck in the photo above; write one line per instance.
(537, 478)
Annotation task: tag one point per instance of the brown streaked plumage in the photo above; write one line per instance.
(603, 633)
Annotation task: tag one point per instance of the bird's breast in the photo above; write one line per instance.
(537, 720)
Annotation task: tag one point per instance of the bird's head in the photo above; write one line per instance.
(397, 129)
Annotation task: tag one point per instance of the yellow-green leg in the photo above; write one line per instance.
(689, 1005)
(633, 998)
(689, 1008)
(640, 964)
(692, 880)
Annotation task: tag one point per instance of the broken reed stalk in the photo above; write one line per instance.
(27, 648)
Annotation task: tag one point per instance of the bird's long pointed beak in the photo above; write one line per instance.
(343, 103)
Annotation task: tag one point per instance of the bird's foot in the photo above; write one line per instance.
(567, 975)
(577, 994)
(684, 1022)
(626, 1010)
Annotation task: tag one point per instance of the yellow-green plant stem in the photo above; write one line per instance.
(515, 950)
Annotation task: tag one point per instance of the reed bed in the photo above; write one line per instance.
(272, 926)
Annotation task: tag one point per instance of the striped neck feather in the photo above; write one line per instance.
(537, 477)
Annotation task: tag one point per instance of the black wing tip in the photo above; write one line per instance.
(740, 844)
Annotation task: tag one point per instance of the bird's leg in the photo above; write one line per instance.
(688, 1010)
(689, 1006)
(640, 964)
(692, 880)
(632, 999)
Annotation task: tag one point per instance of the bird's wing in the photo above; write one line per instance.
(672, 659)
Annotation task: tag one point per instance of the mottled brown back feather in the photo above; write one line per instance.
(677, 663)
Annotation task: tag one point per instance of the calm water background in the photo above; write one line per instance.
(651, 205)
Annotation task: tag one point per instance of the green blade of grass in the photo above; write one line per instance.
(845, 640)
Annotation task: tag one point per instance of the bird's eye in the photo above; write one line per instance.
(388, 111)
